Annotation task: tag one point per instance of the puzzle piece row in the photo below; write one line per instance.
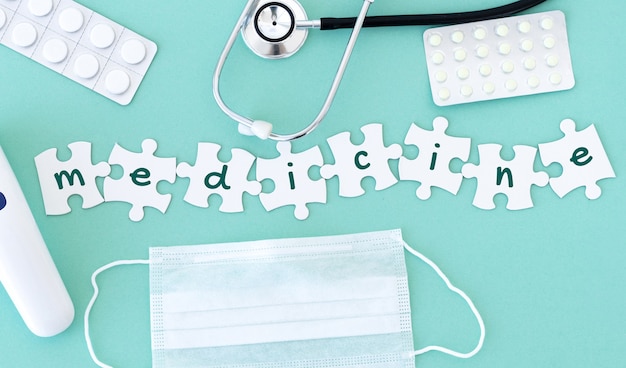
(580, 153)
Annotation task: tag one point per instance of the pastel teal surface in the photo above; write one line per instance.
(549, 281)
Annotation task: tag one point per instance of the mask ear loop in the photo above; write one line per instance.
(96, 291)
(467, 299)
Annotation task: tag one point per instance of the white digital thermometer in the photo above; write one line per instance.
(27, 270)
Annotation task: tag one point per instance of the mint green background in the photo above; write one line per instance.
(549, 281)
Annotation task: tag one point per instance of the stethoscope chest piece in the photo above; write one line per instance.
(270, 30)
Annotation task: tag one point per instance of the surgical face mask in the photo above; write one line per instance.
(338, 301)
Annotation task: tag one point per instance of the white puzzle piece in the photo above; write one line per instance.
(355, 162)
(78, 43)
(499, 58)
(292, 183)
(77, 176)
(513, 178)
(211, 176)
(582, 157)
(142, 173)
(432, 166)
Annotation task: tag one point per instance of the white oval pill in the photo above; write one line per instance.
(485, 70)
(524, 27)
(3, 18)
(526, 45)
(463, 73)
(482, 51)
(480, 33)
(444, 94)
(549, 42)
(530, 63)
(435, 39)
(510, 85)
(552, 60)
(502, 30)
(117, 82)
(438, 57)
(24, 35)
(40, 8)
(504, 48)
(547, 23)
(460, 54)
(489, 88)
(55, 50)
(102, 35)
(533, 81)
(441, 76)
(555, 78)
(508, 66)
(71, 20)
(86, 66)
(467, 91)
(457, 36)
(133, 51)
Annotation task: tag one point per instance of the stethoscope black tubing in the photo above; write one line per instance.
(431, 19)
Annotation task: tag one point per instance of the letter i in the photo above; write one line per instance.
(433, 160)
(292, 181)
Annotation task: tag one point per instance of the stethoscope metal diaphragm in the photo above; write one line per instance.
(270, 30)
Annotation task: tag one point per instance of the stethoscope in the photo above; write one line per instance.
(277, 29)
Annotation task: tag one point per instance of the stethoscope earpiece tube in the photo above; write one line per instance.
(329, 23)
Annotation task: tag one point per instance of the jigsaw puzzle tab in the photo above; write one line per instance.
(142, 173)
(582, 157)
(60, 180)
(432, 166)
(211, 176)
(292, 183)
(353, 163)
(513, 178)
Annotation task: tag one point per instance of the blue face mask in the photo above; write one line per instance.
(337, 301)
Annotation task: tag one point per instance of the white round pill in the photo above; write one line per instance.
(3, 18)
(102, 36)
(117, 82)
(55, 50)
(489, 88)
(482, 51)
(480, 33)
(524, 26)
(549, 42)
(555, 78)
(438, 57)
(435, 39)
(71, 20)
(460, 54)
(441, 76)
(444, 94)
(466, 90)
(40, 8)
(530, 63)
(133, 51)
(24, 35)
(485, 70)
(504, 48)
(533, 81)
(552, 60)
(86, 66)
(547, 23)
(457, 36)
(502, 30)
(510, 85)
(507, 66)
(526, 45)
(463, 73)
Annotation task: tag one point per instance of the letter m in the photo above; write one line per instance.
(70, 178)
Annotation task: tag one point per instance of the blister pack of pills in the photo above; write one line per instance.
(79, 44)
(500, 58)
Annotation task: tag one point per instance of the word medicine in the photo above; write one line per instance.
(580, 153)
